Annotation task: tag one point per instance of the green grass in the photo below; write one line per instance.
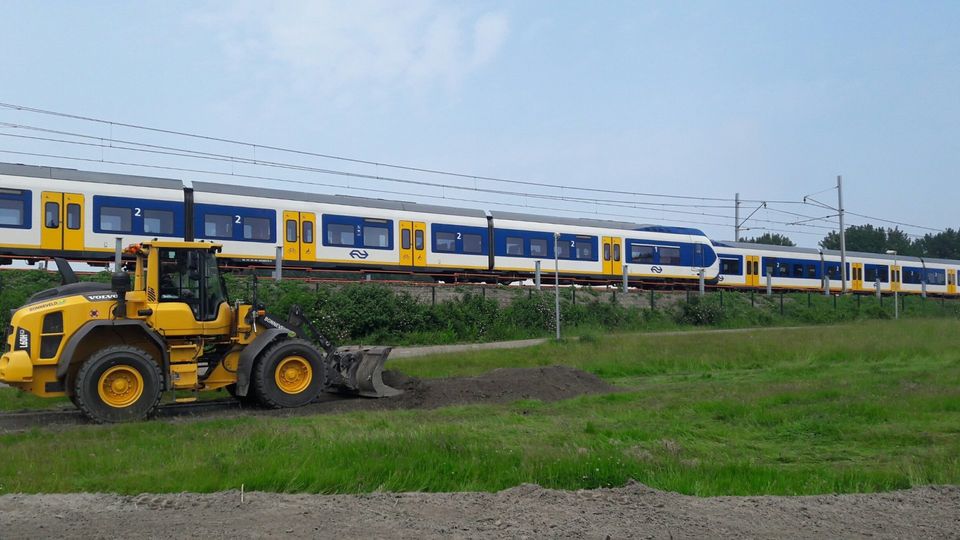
(863, 407)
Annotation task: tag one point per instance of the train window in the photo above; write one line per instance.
(812, 271)
(584, 250)
(405, 239)
(616, 252)
(563, 249)
(307, 236)
(73, 216)
(339, 234)
(936, 277)
(797, 270)
(116, 219)
(418, 240)
(291, 226)
(870, 274)
(769, 265)
(445, 241)
(473, 243)
(670, 255)
(538, 247)
(11, 212)
(730, 267)
(218, 226)
(606, 251)
(156, 221)
(514, 245)
(51, 215)
(641, 254)
(833, 271)
(882, 274)
(376, 237)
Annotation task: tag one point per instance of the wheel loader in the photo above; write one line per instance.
(114, 350)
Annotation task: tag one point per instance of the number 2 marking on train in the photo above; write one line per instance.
(236, 219)
(459, 236)
(136, 212)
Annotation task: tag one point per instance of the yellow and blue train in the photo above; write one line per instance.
(47, 211)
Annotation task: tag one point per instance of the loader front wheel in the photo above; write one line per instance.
(288, 374)
(118, 384)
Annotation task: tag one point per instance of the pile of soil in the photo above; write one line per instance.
(503, 385)
(527, 511)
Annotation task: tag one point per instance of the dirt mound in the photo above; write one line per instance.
(504, 385)
(499, 386)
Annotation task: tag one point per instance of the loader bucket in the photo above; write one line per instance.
(359, 371)
(370, 373)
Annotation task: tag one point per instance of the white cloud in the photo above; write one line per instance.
(334, 48)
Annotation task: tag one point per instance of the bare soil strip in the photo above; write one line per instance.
(498, 386)
(527, 511)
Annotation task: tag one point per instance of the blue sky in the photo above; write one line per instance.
(772, 100)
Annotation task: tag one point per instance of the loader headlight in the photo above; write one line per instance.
(23, 340)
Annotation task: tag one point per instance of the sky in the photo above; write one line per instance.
(772, 100)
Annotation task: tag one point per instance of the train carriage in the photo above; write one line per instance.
(46, 211)
(79, 214)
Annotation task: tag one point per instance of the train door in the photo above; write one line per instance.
(951, 281)
(62, 227)
(752, 275)
(856, 280)
(894, 278)
(612, 255)
(413, 249)
(299, 236)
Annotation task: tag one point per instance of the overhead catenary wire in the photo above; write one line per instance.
(353, 160)
(177, 152)
(475, 177)
(302, 182)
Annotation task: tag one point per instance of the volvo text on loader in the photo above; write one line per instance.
(114, 350)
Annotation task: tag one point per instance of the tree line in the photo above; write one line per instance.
(870, 239)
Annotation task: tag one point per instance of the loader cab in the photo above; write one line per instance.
(182, 283)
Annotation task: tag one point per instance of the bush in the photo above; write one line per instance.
(699, 312)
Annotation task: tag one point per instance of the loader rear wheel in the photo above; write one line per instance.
(118, 384)
(288, 374)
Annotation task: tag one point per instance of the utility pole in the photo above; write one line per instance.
(556, 280)
(736, 219)
(843, 237)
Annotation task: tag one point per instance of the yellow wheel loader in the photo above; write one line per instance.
(114, 350)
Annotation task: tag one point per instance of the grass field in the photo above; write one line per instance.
(870, 406)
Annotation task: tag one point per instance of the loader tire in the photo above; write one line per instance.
(288, 373)
(118, 384)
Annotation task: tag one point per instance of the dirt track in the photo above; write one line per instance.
(634, 511)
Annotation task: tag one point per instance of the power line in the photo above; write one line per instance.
(582, 200)
(895, 222)
(348, 159)
(288, 180)
(179, 152)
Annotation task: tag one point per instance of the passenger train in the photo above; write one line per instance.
(46, 211)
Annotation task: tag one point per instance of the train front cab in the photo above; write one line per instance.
(63, 220)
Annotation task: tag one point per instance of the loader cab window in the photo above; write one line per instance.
(191, 277)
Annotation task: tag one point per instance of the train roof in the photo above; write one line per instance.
(58, 173)
(831, 252)
(597, 223)
(345, 200)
